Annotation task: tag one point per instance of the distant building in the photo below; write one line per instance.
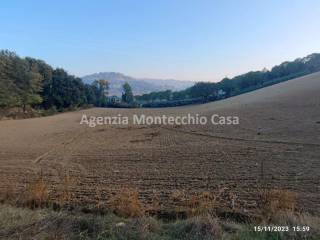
(114, 99)
(221, 93)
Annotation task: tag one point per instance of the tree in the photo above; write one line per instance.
(8, 89)
(31, 82)
(101, 88)
(227, 86)
(205, 90)
(30, 93)
(127, 95)
(20, 83)
(46, 71)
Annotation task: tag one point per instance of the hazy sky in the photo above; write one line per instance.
(195, 39)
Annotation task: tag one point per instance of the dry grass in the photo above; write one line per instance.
(65, 195)
(202, 203)
(17, 223)
(275, 200)
(36, 194)
(201, 209)
(23, 223)
(8, 195)
(127, 203)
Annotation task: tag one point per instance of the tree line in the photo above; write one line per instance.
(28, 82)
(32, 83)
(209, 91)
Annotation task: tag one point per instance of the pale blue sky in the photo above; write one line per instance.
(182, 39)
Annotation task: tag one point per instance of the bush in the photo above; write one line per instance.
(197, 228)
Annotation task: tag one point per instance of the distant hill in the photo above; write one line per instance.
(139, 85)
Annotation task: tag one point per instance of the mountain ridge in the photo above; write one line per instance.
(139, 85)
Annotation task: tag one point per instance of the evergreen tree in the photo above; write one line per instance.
(127, 95)
(101, 92)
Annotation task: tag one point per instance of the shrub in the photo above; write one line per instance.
(196, 228)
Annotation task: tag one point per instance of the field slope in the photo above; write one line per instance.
(276, 145)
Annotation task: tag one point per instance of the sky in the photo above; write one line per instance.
(202, 40)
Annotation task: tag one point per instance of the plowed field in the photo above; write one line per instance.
(276, 145)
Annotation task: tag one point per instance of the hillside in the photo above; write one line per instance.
(202, 92)
(139, 85)
(275, 146)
